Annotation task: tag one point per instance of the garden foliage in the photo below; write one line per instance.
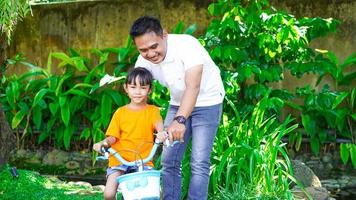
(256, 47)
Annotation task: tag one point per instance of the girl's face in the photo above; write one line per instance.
(137, 93)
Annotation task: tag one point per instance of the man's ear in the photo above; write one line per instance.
(165, 34)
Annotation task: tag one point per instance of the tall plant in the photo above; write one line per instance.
(11, 11)
(258, 45)
(249, 159)
(60, 105)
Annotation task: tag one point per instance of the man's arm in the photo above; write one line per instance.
(189, 98)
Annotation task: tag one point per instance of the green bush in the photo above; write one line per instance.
(256, 45)
(59, 105)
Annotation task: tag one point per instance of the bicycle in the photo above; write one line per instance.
(143, 184)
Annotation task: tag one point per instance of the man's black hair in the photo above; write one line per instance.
(144, 76)
(144, 25)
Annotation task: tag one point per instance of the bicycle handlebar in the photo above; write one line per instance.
(132, 163)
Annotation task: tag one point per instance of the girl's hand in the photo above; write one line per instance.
(97, 146)
(162, 136)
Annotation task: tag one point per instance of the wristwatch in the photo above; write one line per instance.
(180, 119)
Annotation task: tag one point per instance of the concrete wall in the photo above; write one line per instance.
(96, 24)
(101, 24)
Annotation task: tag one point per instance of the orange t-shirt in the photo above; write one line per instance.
(133, 130)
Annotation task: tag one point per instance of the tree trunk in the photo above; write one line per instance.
(3, 46)
(7, 138)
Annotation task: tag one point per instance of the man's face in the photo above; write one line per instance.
(152, 46)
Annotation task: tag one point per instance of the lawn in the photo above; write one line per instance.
(31, 185)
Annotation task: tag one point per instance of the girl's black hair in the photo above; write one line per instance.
(144, 25)
(144, 76)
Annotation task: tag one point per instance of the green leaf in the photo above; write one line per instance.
(94, 87)
(37, 72)
(347, 79)
(299, 141)
(43, 136)
(73, 52)
(17, 119)
(315, 145)
(332, 57)
(344, 153)
(353, 116)
(106, 108)
(53, 107)
(61, 81)
(191, 29)
(322, 135)
(65, 113)
(51, 123)
(293, 105)
(308, 124)
(68, 132)
(64, 57)
(23, 106)
(62, 100)
(223, 161)
(353, 154)
(77, 92)
(85, 85)
(179, 27)
(352, 99)
(79, 64)
(37, 116)
(339, 99)
(85, 134)
(39, 96)
(340, 118)
(117, 97)
(349, 60)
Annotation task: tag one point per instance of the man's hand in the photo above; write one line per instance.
(176, 131)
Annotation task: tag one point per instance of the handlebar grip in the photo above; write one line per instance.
(167, 144)
(103, 150)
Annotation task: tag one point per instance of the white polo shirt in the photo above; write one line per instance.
(184, 52)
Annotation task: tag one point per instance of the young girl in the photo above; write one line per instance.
(131, 128)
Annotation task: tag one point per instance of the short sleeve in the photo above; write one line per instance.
(114, 126)
(193, 53)
(156, 115)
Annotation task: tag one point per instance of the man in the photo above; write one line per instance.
(181, 63)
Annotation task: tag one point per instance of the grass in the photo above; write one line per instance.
(32, 186)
